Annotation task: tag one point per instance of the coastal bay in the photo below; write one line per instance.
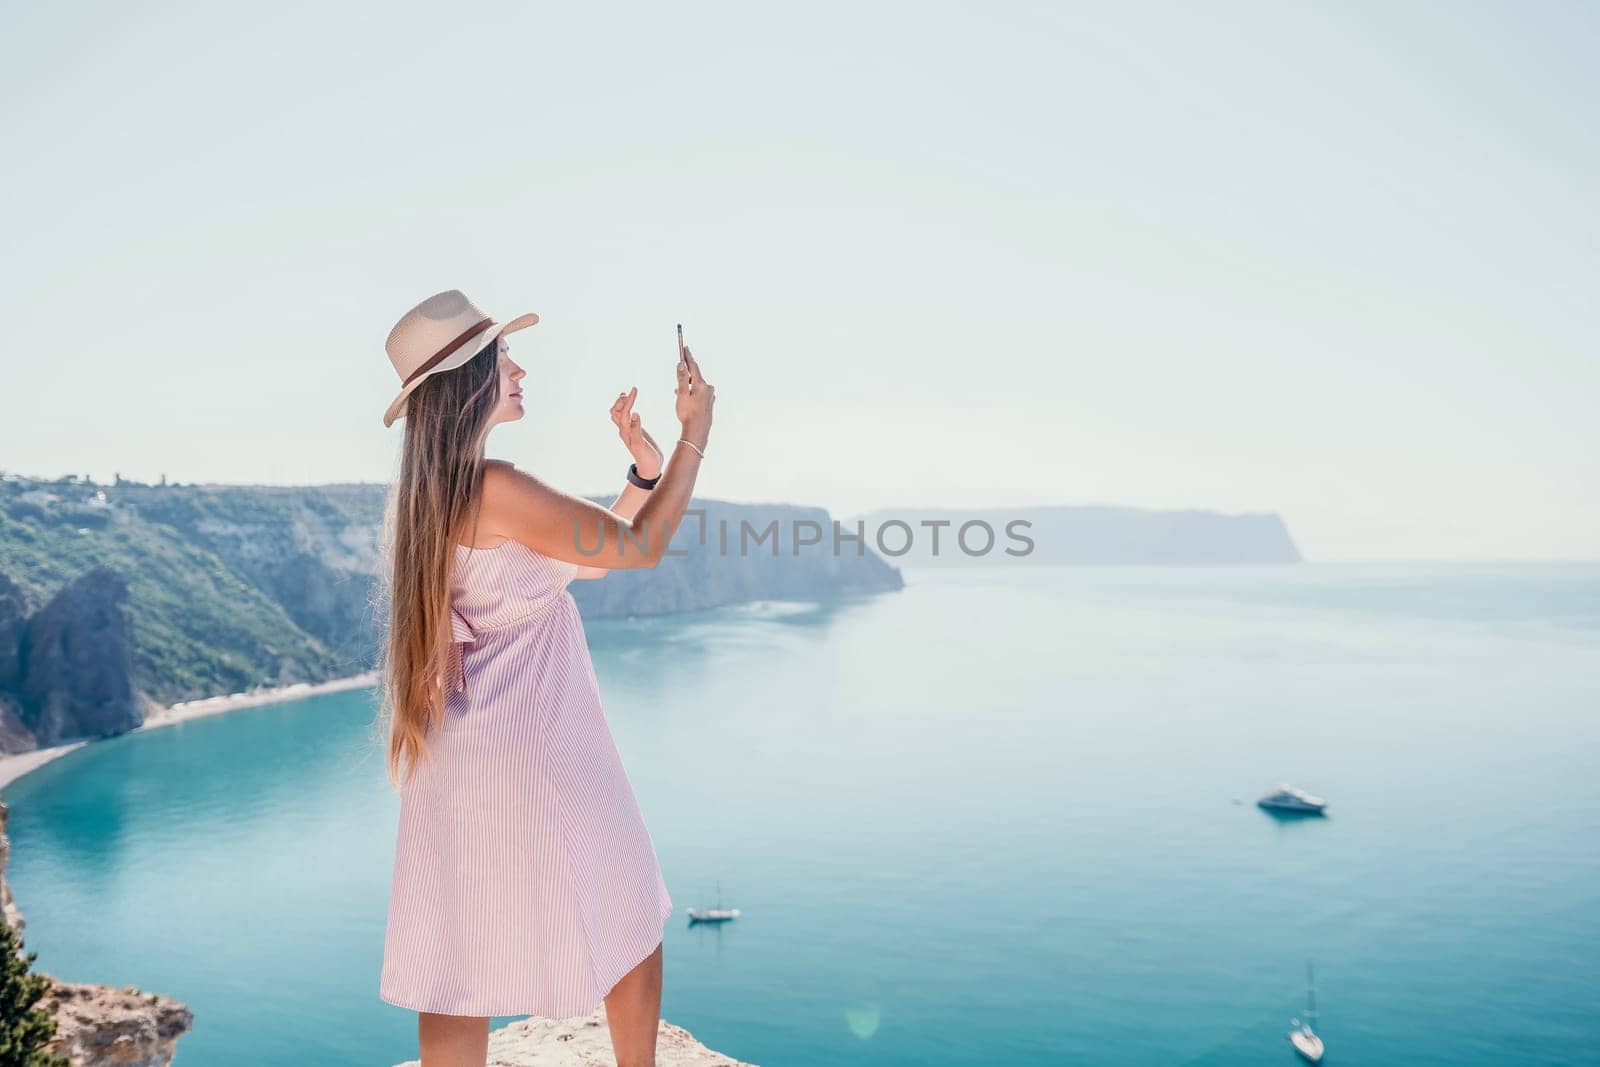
(1004, 816)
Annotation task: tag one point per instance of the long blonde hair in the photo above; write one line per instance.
(429, 507)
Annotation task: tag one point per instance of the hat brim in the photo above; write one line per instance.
(397, 409)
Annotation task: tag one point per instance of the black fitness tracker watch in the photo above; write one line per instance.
(642, 483)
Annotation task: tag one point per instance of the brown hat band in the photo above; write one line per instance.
(434, 360)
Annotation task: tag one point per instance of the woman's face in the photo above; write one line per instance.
(510, 407)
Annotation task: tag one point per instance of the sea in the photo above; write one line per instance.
(1005, 815)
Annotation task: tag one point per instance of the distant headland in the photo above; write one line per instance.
(1076, 534)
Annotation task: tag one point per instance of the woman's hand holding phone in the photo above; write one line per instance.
(695, 397)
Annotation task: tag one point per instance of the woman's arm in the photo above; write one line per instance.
(646, 457)
(627, 505)
(570, 528)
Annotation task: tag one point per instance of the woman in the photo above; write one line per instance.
(525, 882)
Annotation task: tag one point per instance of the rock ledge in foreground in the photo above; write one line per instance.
(586, 1042)
(98, 1025)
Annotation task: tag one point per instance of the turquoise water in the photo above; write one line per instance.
(1000, 816)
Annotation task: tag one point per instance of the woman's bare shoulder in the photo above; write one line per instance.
(492, 503)
(500, 474)
(509, 493)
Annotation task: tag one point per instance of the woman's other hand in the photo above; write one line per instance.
(641, 446)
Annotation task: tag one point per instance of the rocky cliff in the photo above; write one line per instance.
(66, 671)
(14, 611)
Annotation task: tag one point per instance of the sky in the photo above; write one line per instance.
(1338, 262)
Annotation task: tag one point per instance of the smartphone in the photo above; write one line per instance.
(680, 343)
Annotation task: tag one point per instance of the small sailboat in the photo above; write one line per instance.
(1303, 1036)
(718, 914)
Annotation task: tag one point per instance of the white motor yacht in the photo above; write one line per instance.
(1288, 798)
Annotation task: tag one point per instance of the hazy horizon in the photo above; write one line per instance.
(1335, 264)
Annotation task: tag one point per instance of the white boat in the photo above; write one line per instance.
(718, 914)
(1288, 798)
(1303, 1037)
(712, 915)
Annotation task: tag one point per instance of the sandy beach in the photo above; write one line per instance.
(13, 767)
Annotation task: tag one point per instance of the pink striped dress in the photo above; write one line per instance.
(525, 881)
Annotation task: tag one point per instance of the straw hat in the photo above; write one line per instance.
(440, 334)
